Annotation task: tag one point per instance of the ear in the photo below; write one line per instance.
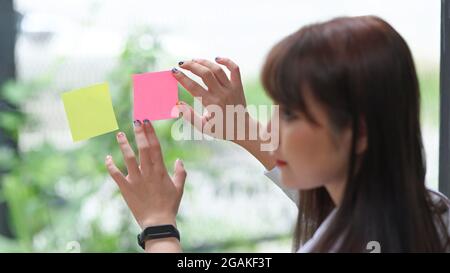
(361, 144)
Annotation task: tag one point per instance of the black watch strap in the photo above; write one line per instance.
(157, 232)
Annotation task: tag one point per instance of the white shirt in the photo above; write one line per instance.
(274, 175)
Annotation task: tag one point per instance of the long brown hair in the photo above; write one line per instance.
(361, 69)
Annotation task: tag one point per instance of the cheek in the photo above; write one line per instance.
(313, 159)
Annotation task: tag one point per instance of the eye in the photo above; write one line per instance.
(287, 114)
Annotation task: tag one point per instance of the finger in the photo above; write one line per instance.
(146, 128)
(179, 176)
(217, 71)
(235, 74)
(195, 89)
(203, 72)
(155, 147)
(191, 116)
(128, 155)
(115, 173)
(143, 146)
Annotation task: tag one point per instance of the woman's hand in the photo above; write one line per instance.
(151, 194)
(220, 92)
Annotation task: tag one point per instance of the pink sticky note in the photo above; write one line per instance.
(155, 94)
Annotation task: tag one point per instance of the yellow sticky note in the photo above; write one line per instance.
(89, 111)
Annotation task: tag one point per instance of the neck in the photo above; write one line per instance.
(336, 191)
(336, 188)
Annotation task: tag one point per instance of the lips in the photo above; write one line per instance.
(281, 163)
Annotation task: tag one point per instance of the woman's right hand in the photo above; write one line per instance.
(220, 91)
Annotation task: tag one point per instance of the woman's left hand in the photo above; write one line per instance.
(151, 194)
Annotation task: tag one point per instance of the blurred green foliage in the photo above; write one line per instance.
(429, 92)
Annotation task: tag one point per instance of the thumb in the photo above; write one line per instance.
(191, 116)
(179, 176)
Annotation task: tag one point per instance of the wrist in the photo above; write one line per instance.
(158, 221)
(163, 238)
(253, 146)
(169, 244)
(249, 124)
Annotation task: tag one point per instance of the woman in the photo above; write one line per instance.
(350, 150)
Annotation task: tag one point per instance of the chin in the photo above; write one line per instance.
(293, 182)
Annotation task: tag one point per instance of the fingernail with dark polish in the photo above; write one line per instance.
(174, 70)
(180, 63)
(137, 123)
(146, 121)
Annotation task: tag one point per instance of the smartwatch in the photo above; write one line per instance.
(157, 232)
